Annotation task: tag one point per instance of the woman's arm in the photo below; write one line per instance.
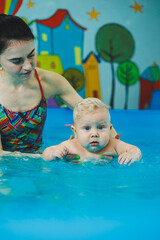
(55, 84)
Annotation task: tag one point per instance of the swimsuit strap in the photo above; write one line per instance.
(40, 85)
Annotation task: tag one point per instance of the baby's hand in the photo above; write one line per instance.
(60, 151)
(51, 153)
(127, 158)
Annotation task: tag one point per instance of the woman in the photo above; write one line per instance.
(24, 88)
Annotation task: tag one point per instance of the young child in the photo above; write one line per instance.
(92, 136)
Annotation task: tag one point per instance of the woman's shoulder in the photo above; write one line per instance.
(46, 75)
(53, 83)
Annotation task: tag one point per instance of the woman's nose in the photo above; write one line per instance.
(27, 65)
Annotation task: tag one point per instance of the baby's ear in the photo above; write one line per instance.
(73, 129)
(111, 126)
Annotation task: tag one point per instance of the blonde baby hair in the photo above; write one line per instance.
(88, 105)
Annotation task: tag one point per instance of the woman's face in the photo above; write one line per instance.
(19, 59)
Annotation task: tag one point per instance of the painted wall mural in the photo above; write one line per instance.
(61, 36)
(114, 44)
(128, 74)
(10, 7)
(92, 79)
(91, 50)
(150, 88)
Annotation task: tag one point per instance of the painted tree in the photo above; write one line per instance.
(114, 44)
(128, 74)
(75, 78)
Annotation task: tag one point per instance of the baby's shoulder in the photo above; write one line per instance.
(70, 143)
(113, 141)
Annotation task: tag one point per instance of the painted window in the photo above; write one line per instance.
(44, 52)
(44, 37)
(67, 27)
(95, 93)
(77, 53)
(38, 64)
(67, 19)
(53, 65)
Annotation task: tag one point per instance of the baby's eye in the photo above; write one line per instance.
(87, 128)
(101, 127)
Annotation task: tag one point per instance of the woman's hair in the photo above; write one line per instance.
(13, 28)
(88, 105)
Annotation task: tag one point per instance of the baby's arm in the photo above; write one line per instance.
(127, 153)
(53, 152)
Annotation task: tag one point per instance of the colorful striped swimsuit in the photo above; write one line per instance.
(22, 131)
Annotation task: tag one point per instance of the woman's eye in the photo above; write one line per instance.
(32, 55)
(17, 61)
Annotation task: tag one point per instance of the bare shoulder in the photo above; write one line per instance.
(48, 76)
(70, 143)
(115, 143)
(52, 82)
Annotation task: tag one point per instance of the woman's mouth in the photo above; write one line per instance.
(27, 73)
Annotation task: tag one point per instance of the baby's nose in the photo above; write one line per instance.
(94, 134)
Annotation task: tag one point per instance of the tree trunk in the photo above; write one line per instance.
(113, 86)
(126, 98)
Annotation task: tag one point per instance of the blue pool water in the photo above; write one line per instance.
(61, 200)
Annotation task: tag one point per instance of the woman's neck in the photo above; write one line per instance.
(9, 80)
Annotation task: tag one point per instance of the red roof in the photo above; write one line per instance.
(56, 19)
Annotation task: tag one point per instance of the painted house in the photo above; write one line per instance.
(60, 35)
(91, 71)
(50, 63)
(149, 81)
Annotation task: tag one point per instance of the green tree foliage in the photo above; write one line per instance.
(128, 74)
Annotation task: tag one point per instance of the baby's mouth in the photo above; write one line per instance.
(94, 143)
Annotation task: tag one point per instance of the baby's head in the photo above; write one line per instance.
(91, 124)
(89, 105)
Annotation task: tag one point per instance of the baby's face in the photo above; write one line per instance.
(93, 130)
